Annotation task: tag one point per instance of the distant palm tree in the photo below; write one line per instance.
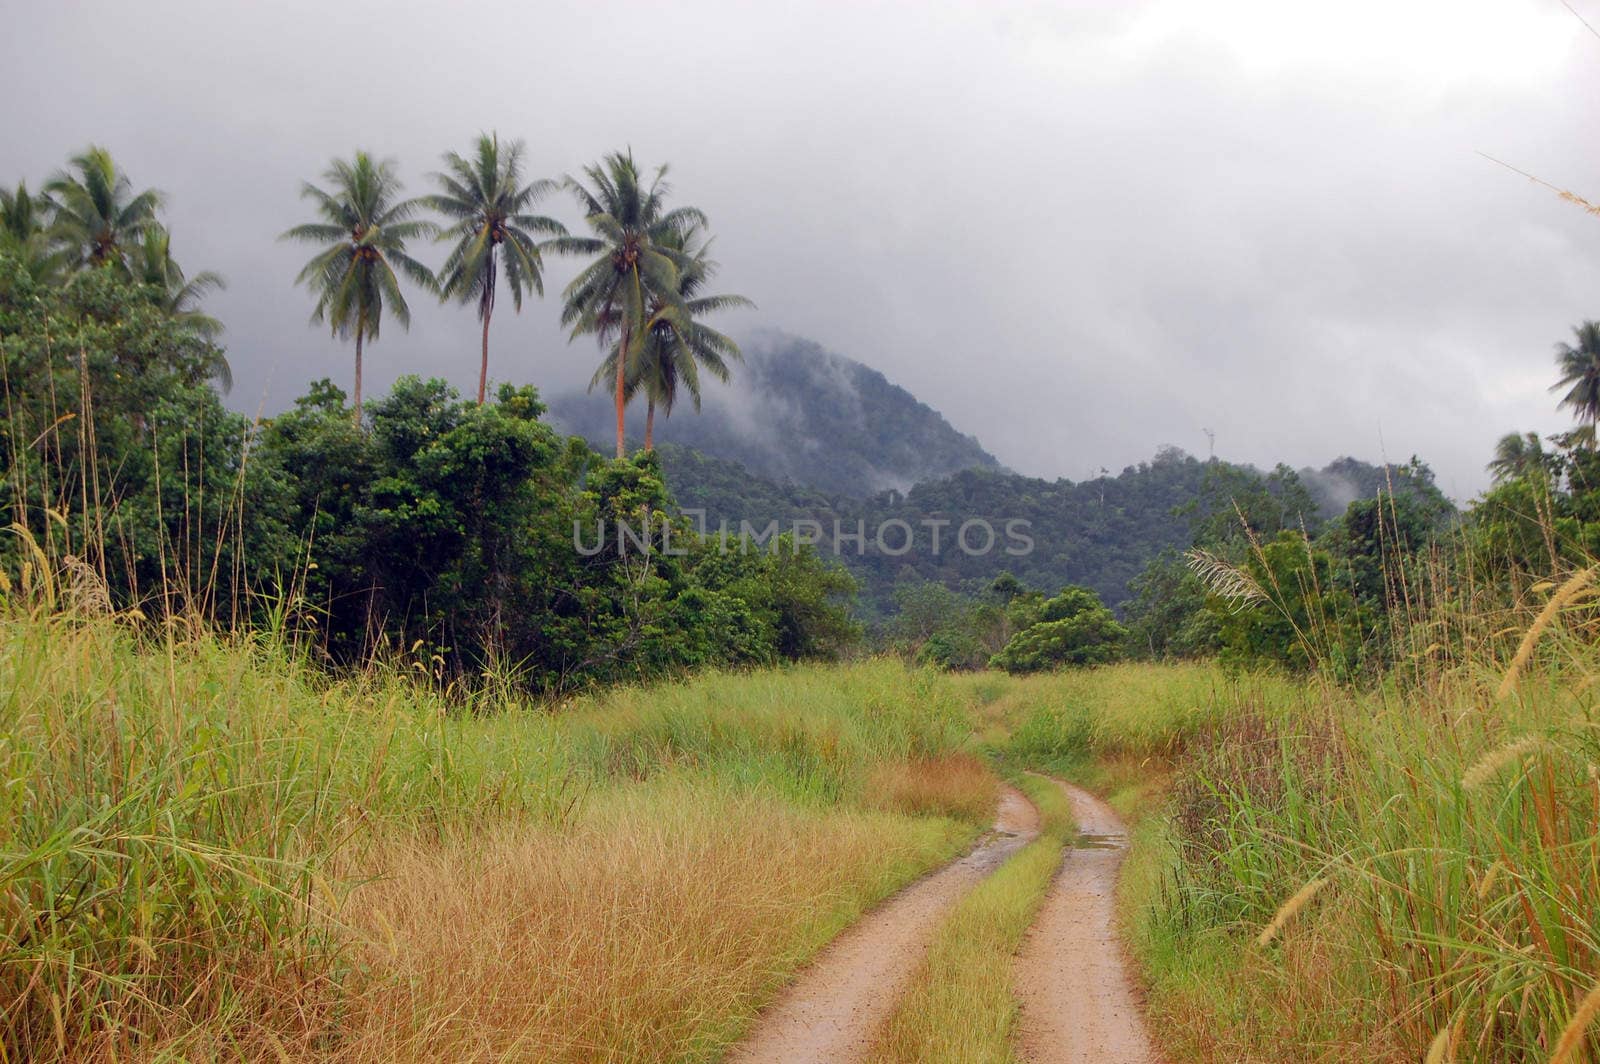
(364, 227)
(487, 207)
(678, 346)
(151, 263)
(1580, 373)
(24, 233)
(1516, 455)
(637, 243)
(96, 212)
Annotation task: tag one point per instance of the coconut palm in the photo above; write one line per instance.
(1516, 455)
(363, 227)
(637, 247)
(678, 346)
(1580, 373)
(97, 215)
(151, 263)
(25, 236)
(487, 208)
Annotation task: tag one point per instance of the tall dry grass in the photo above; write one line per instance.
(208, 851)
(652, 929)
(1447, 814)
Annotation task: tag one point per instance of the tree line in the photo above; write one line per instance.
(433, 530)
(643, 292)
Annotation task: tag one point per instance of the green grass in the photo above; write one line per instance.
(1455, 831)
(208, 849)
(960, 1006)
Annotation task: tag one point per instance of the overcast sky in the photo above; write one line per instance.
(1078, 230)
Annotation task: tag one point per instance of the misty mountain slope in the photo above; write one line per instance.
(1100, 533)
(797, 413)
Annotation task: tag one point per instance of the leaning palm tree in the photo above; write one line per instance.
(678, 346)
(151, 263)
(97, 215)
(1517, 455)
(487, 208)
(1580, 373)
(25, 236)
(637, 243)
(364, 226)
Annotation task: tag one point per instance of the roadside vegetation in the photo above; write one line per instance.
(209, 849)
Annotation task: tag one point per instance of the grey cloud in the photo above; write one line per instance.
(1079, 231)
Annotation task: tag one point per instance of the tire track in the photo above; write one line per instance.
(1078, 1004)
(835, 1006)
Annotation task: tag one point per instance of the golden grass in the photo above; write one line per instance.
(651, 930)
(208, 851)
(955, 785)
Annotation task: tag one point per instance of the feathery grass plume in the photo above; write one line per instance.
(1490, 878)
(1298, 901)
(1567, 592)
(1442, 1050)
(1489, 765)
(1561, 193)
(1224, 579)
(83, 588)
(1572, 1038)
(1438, 1047)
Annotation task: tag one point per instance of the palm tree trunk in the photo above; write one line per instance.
(622, 363)
(483, 374)
(361, 327)
(650, 426)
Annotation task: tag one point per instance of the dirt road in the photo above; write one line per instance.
(836, 1005)
(1078, 1004)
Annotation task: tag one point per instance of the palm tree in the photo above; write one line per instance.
(151, 263)
(23, 233)
(679, 345)
(97, 213)
(1516, 455)
(1580, 373)
(637, 246)
(364, 227)
(487, 207)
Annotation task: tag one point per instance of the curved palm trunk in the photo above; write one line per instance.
(483, 373)
(650, 426)
(622, 362)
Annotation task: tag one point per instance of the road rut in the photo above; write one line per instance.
(837, 1003)
(1078, 1003)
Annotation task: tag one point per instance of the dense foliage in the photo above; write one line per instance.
(434, 527)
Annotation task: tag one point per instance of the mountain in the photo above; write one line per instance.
(795, 413)
(1099, 533)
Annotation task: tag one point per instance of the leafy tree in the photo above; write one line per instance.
(1579, 365)
(119, 455)
(1236, 502)
(1167, 615)
(637, 246)
(487, 210)
(151, 263)
(1073, 628)
(95, 212)
(363, 228)
(678, 345)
